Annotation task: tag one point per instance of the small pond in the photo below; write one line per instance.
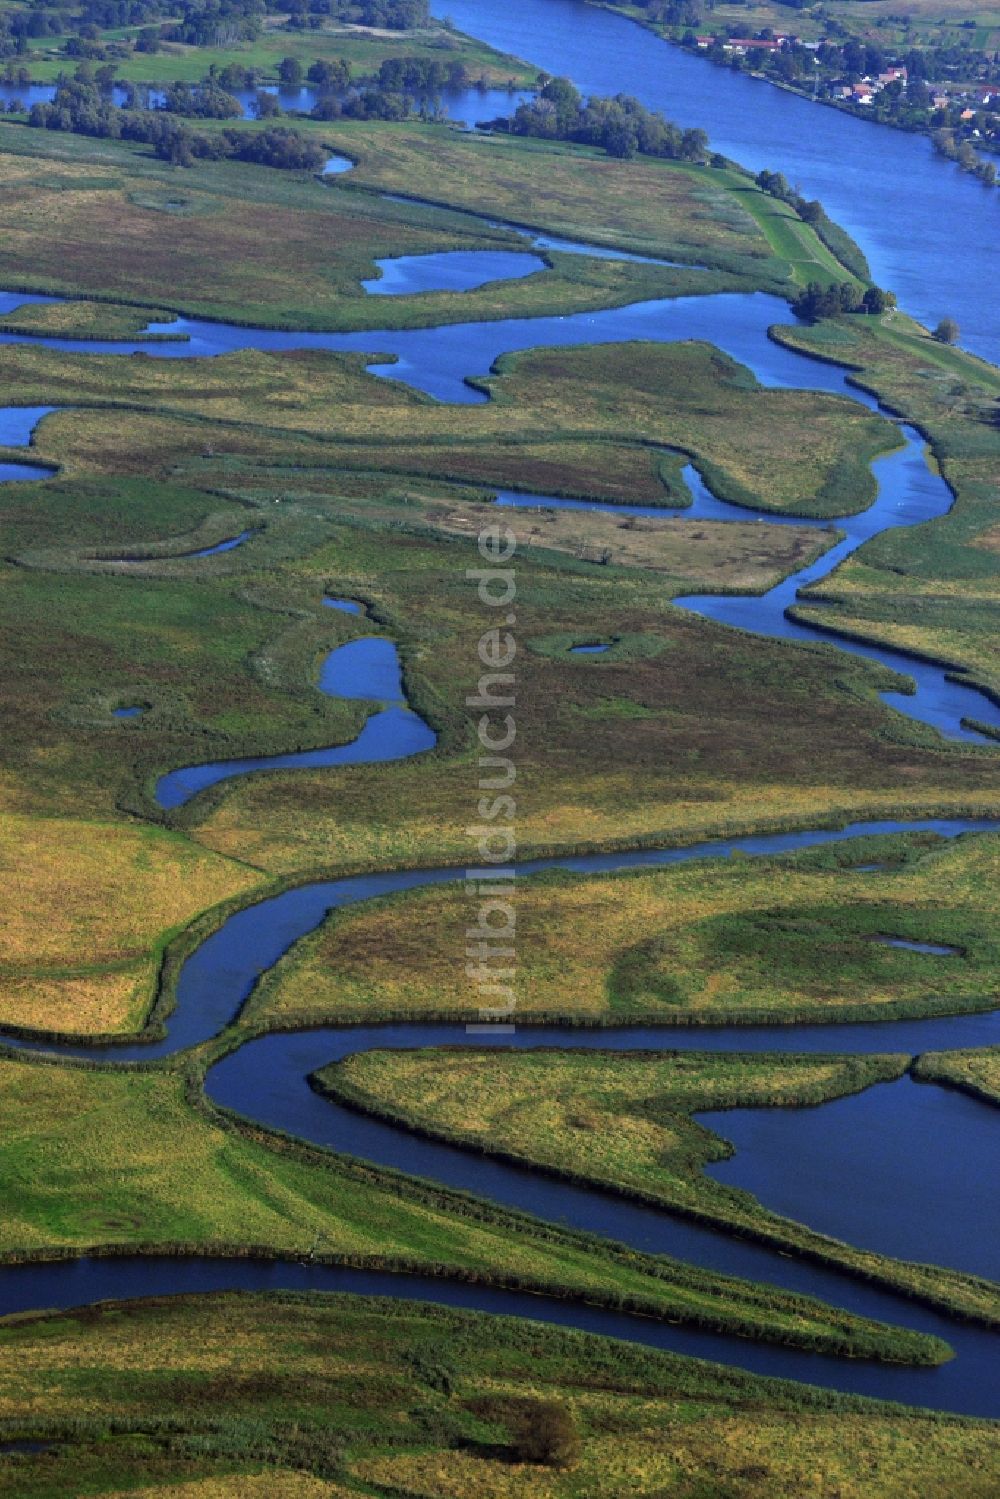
(450, 270)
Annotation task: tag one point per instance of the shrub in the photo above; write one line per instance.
(946, 331)
(547, 1434)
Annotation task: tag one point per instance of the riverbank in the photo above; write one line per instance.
(268, 233)
(914, 586)
(281, 624)
(770, 941)
(235, 1190)
(974, 1072)
(886, 188)
(805, 88)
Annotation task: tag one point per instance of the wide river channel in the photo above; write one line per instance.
(930, 232)
(267, 1078)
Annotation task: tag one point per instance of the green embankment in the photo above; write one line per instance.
(976, 1072)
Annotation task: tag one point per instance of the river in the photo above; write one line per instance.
(267, 1077)
(931, 233)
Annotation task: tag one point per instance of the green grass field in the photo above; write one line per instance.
(224, 651)
(765, 940)
(665, 398)
(684, 730)
(363, 47)
(228, 235)
(288, 1397)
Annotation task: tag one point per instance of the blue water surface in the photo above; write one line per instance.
(449, 270)
(929, 230)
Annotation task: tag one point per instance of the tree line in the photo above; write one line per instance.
(84, 110)
(621, 126)
(392, 15)
(196, 23)
(817, 301)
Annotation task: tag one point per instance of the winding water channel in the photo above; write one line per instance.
(267, 1078)
(367, 670)
(441, 361)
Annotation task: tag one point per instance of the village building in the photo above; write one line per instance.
(750, 44)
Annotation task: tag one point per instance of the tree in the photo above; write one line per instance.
(565, 100)
(329, 76)
(854, 59)
(947, 331)
(621, 126)
(876, 301)
(290, 72)
(619, 137)
(916, 65)
(694, 145)
(327, 107)
(179, 150)
(773, 183)
(817, 301)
